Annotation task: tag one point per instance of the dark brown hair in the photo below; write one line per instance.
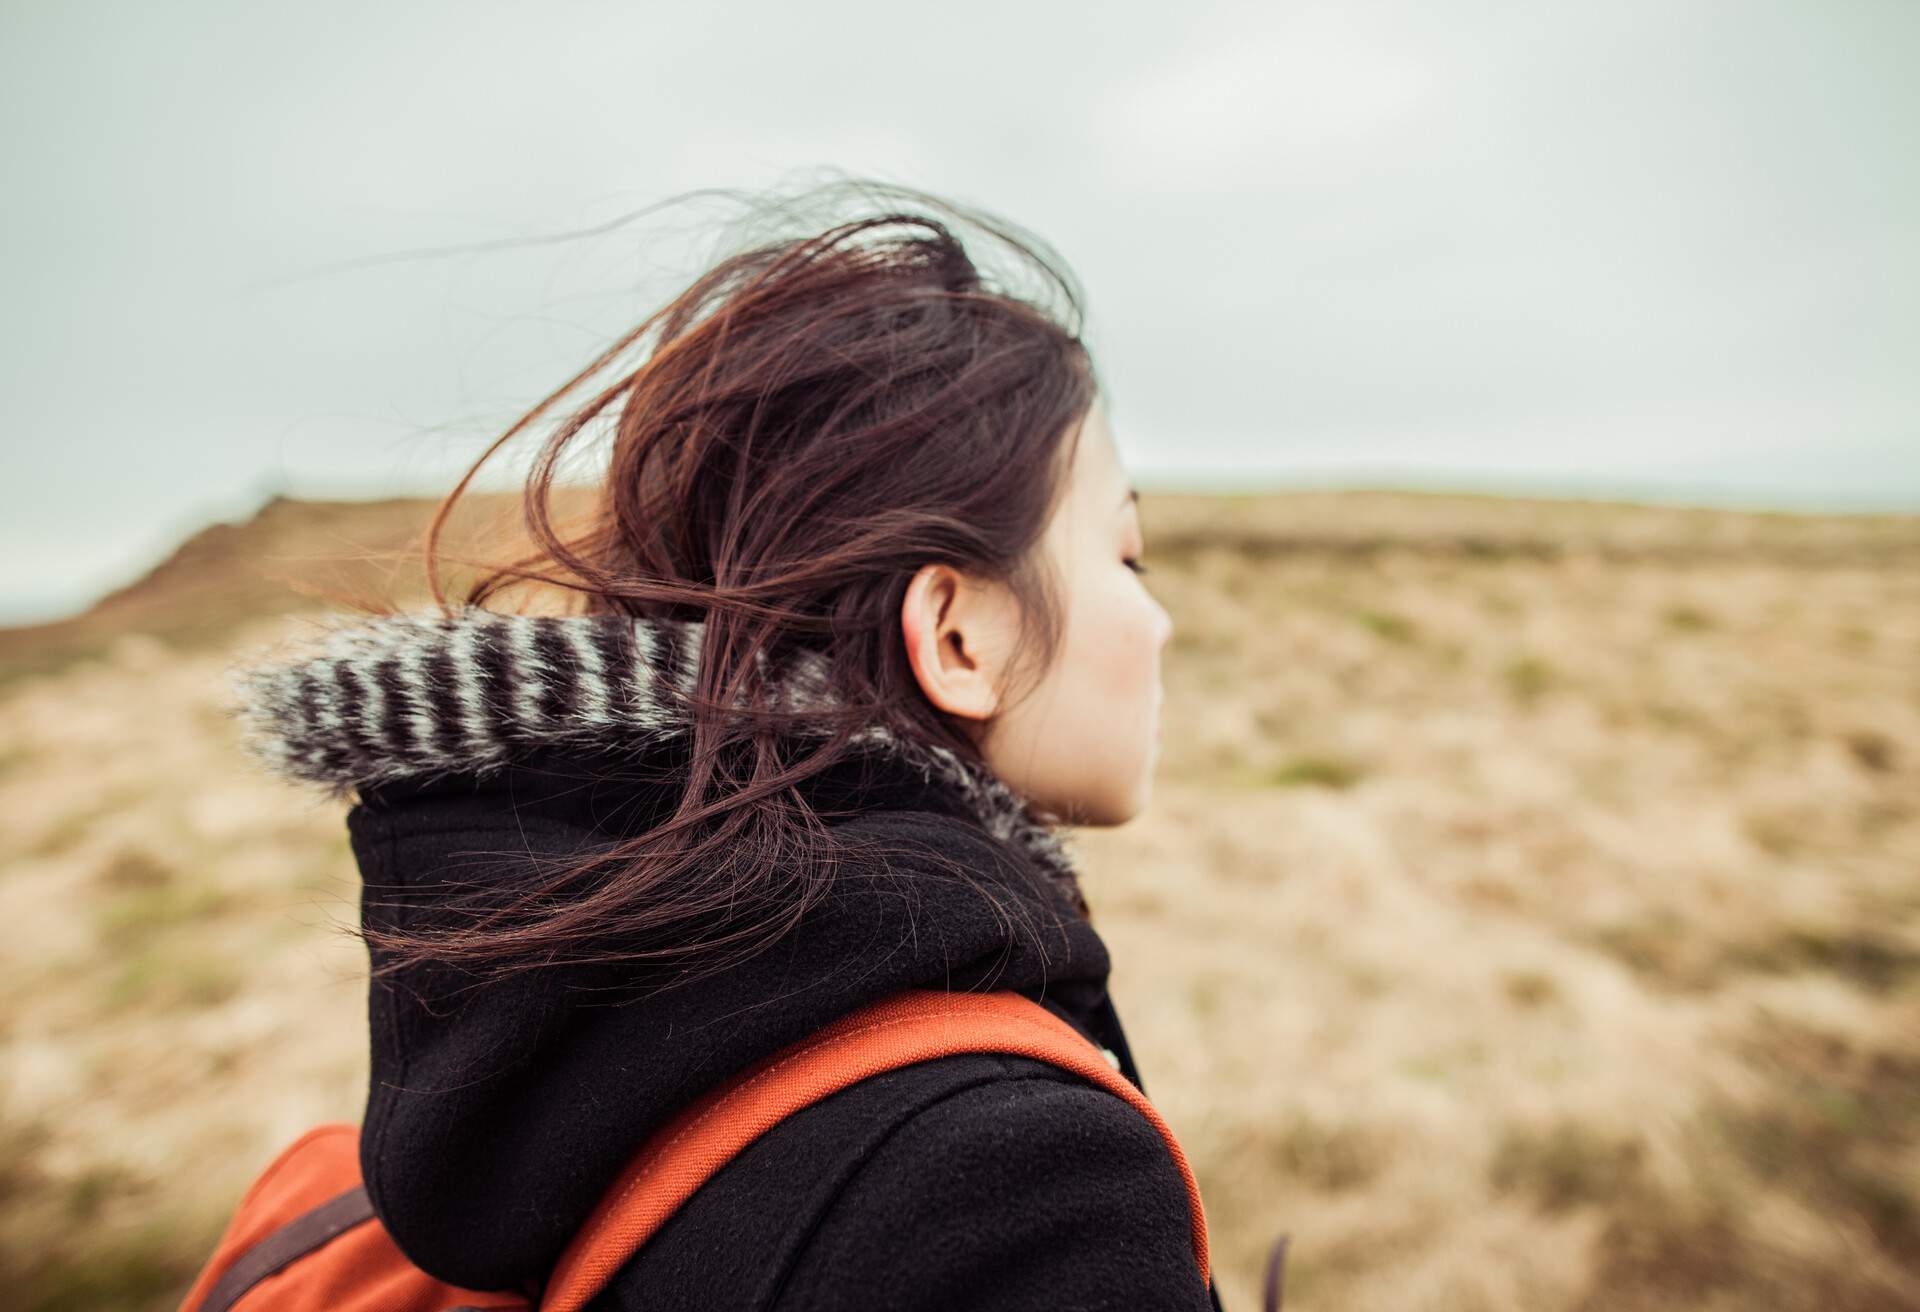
(814, 419)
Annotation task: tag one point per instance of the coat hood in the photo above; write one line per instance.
(482, 746)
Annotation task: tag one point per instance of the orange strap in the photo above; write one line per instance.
(914, 1025)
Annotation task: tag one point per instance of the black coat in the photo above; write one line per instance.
(497, 1116)
(485, 747)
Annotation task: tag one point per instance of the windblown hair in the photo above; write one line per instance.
(811, 421)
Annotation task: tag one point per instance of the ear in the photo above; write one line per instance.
(951, 624)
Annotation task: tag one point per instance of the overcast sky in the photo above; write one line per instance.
(1667, 248)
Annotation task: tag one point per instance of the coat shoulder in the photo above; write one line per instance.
(978, 1180)
(1034, 1190)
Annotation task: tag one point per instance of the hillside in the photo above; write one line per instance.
(1525, 918)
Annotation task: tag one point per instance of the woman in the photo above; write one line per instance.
(856, 623)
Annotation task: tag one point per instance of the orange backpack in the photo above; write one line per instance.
(305, 1237)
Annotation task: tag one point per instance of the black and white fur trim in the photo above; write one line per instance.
(422, 694)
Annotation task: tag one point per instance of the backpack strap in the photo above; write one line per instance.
(304, 1238)
(914, 1025)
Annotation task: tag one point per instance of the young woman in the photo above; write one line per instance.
(856, 623)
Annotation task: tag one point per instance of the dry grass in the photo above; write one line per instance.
(1526, 918)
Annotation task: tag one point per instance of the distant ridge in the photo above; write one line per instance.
(231, 572)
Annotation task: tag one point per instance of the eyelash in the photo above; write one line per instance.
(1135, 565)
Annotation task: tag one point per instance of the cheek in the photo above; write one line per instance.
(1114, 641)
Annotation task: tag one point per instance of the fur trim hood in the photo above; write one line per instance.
(422, 695)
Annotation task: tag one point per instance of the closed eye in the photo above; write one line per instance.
(1133, 563)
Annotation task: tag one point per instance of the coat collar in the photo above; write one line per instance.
(426, 695)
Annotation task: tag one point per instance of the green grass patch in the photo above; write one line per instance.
(1529, 677)
(1388, 626)
(1688, 619)
(89, 1192)
(1314, 772)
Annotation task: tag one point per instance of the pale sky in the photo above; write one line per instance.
(1656, 248)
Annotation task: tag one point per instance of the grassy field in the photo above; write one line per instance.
(1527, 917)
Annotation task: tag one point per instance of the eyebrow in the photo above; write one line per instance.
(1133, 495)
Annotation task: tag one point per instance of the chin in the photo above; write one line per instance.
(1128, 806)
(1142, 796)
(1105, 803)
